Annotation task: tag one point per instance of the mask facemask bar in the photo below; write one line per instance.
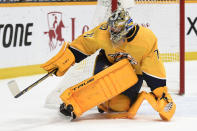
(120, 24)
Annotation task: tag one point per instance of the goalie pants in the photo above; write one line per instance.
(102, 63)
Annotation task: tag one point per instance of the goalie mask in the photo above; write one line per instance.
(119, 24)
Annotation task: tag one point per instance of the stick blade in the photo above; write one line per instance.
(14, 89)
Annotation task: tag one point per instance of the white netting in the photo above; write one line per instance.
(103, 9)
(163, 19)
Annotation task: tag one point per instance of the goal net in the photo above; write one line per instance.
(161, 16)
(166, 19)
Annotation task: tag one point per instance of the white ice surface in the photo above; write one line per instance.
(27, 113)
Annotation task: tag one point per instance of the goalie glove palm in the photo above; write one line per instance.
(62, 61)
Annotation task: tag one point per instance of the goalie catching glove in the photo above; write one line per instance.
(62, 61)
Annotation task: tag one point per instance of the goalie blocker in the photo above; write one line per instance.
(98, 88)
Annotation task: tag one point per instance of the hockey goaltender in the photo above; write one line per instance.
(128, 55)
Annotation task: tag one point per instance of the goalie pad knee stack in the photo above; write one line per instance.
(100, 88)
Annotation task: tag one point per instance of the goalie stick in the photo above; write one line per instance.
(12, 85)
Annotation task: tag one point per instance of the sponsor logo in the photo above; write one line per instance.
(192, 25)
(55, 25)
(55, 28)
(13, 35)
(83, 84)
(146, 24)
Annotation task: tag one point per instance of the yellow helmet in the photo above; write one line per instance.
(119, 24)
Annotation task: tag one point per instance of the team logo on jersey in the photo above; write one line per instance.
(55, 25)
(104, 26)
(120, 55)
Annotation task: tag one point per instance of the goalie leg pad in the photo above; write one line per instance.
(165, 108)
(120, 103)
(162, 102)
(134, 108)
(165, 105)
(100, 88)
(168, 111)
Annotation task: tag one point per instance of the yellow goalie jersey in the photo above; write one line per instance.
(140, 45)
